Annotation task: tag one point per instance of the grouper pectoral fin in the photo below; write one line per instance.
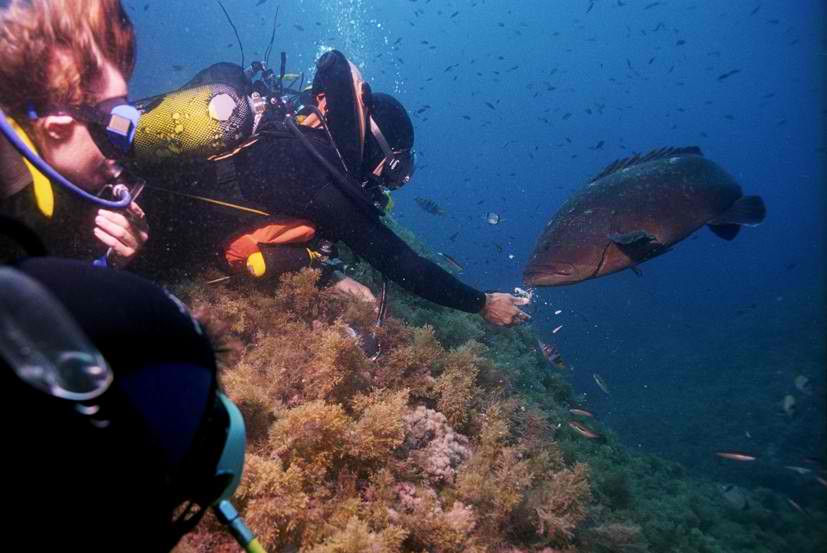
(633, 237)
(638, 245)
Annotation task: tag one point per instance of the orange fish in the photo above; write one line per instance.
(735, 456)
(584, 431)
(581, 412)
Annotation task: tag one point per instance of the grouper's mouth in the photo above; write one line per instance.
(556, 274)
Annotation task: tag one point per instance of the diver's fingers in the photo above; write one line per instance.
(521, 316)
(117, 246)
(117, 226)
(135, 211)
(518, 300)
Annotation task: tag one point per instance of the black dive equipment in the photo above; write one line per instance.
(120, 426)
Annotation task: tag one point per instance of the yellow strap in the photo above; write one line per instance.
(256, 265)
(43, 194)
(211, 201)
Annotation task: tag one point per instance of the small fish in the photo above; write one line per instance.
(429, 206)
(146, 6)
(728, 74)
(177, 67)
(492, 218)
(799, 470)
(794, 504)
(552, 355)
(452, 262)
(298, 27)
(260, 2)
(556, 330)
(584, 431)
(558, 311)
(735, 456)
(601, 383)
(821, 481)
(453, 236)
(802, 383)
(652, 5)
(490, 105)
(581, 412)
(788, 405)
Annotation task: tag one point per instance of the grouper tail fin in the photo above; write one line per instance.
(746, 211)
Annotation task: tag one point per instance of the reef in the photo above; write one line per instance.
(455, 439)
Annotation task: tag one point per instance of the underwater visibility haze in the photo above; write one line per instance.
(691, 390)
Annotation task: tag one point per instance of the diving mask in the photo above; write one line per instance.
(112, 124)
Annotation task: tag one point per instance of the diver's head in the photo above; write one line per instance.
(389, 153)
(74, 139)
(58, 58)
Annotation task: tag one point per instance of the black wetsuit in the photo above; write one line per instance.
(280, 174)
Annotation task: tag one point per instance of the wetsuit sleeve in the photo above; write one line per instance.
(371, 240)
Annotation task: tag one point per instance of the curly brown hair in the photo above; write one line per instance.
(52, 52)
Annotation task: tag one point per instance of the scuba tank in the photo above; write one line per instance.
(212, 114)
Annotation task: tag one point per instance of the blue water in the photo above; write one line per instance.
(699, 352)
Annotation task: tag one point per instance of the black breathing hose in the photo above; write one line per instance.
(348, 187)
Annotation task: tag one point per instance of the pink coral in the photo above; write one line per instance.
(433, 447)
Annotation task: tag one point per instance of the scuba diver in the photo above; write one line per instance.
(63, 71)
(119, 437)
(313, 166)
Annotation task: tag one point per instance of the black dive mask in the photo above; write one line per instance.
(112, 124)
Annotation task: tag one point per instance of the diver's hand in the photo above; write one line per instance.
(123, 231)
(501, 309)
(350, 288)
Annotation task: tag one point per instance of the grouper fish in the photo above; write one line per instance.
(636, 209)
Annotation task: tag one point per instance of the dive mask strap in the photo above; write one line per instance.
(391, 161)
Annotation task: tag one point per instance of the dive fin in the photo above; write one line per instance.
(747, 210)
(727, 232)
